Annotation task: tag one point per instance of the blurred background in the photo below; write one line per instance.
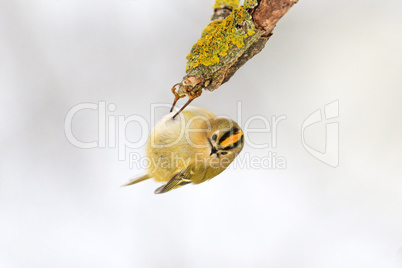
(62, 206)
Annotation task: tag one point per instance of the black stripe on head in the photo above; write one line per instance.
(240, 141)
(232, 131)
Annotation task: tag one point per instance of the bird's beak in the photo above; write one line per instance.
(213, 150)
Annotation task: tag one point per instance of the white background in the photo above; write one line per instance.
(62, 206)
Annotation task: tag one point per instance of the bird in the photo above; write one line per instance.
(192, 148)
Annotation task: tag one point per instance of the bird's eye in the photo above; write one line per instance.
(214, 137)
(223, 153)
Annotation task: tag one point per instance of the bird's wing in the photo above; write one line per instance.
(178, 180)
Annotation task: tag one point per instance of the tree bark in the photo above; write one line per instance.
(235, 35)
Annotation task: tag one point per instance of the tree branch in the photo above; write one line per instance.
(223, 8)
(268, 12)
(235, 35)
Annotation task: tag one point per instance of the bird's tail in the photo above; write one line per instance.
(136, 179)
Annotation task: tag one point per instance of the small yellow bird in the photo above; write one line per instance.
(192, 148)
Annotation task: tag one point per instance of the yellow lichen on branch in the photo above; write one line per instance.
(250, 3)
(219, 37)
(235, 35)
(231, 4)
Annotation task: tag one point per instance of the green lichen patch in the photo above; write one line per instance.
(232, 4)
(220, 37)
